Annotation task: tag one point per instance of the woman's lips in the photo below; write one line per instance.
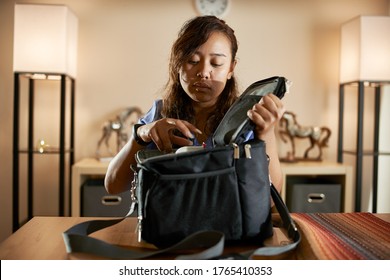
(201, 86)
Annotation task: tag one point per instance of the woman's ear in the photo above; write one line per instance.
(233, 65)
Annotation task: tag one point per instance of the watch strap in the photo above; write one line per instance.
(136, 137)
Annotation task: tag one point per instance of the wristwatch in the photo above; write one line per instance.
(136, 137)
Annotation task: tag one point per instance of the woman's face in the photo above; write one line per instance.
(203, 77)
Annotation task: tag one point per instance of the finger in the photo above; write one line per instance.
(262, 117)
(268, 102)
(273, 104)
(266, 112)
(161, 135)
(257, 118)
(186, 128)
(155, 136)
(180, 141)
(165, 135)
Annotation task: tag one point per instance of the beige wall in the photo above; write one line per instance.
(122, 61)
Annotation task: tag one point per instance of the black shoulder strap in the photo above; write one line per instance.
(236, 122)
(77, 240)
(288, 224)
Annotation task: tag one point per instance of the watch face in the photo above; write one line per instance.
(212, 7)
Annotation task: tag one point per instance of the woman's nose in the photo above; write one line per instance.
(203, 75)
(204, 71)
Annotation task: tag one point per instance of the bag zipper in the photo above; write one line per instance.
(247, 149)
(236, 151)
(138, 229)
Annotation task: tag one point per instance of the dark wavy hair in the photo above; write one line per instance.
(192, 35)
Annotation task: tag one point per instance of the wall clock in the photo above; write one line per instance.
(218, 8)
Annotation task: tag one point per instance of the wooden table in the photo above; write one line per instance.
(41, 238)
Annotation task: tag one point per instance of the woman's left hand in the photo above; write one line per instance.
(266, 114)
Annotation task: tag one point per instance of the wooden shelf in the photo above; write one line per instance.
(330, 171)
(81, 171)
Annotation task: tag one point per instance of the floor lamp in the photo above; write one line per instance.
(45, 47)
(364, 62)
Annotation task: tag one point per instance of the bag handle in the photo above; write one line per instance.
(77, 240)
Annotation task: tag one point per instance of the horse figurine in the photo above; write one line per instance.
(118, 125)
(289, 129)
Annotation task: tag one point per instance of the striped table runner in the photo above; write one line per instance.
(343, 236)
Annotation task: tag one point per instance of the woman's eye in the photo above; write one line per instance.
(193, 62)
(217, 62)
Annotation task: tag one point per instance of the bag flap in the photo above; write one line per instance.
(235, 123)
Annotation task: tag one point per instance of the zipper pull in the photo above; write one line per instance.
(131, 209)
(133, 196)
(247, 149)
(236, 151)
(138, 228)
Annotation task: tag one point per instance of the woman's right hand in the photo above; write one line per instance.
(161, 132)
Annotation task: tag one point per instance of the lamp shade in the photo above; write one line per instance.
(45, 39)
(365, 49)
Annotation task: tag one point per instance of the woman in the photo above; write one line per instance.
(200, 89)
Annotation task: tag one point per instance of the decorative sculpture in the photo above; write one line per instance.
(120, 126)
(289, 130)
